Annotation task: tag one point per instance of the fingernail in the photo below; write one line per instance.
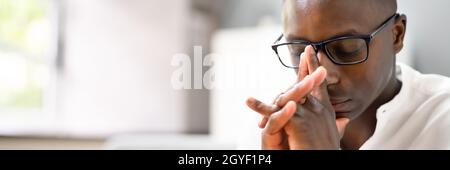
(321, 68)
(250, 100)
(311, 48)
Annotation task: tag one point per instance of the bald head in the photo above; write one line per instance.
(372, 7)
(379, 6)
(334, 13)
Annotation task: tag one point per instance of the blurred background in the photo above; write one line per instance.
(81, 74)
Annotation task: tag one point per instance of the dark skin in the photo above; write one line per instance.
(342, 93)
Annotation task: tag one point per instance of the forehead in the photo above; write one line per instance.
(317, 20)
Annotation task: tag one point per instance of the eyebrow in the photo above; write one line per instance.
(348, 32)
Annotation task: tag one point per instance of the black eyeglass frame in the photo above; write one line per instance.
(322, 45)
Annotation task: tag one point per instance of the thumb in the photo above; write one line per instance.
(341, 124)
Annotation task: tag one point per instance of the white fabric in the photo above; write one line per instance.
(416, 118)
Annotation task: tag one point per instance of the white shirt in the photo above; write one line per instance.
(418, 117)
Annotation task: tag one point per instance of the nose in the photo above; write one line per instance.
(332, 69)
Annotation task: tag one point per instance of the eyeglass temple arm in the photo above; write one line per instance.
(279, 38)
(384, 25)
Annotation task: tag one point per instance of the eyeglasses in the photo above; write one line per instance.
(345, 50)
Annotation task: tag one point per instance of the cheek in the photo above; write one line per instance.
(372, 77)
(366, 81)
(361, 84)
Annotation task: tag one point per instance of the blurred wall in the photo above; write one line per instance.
(247, 13)
(427, 36)
(117, 71)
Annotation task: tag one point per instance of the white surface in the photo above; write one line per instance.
(166, 142)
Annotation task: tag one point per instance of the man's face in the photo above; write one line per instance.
(352, 88)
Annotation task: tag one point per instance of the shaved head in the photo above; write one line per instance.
(379, 6)
(357, 10)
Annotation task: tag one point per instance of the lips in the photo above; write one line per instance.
(341, 105)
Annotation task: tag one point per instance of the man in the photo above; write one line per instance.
(350, 92)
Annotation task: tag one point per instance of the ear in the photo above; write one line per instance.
(398, 32)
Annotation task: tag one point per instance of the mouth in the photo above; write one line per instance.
(341, 105)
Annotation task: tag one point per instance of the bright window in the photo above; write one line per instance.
(24, 47)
